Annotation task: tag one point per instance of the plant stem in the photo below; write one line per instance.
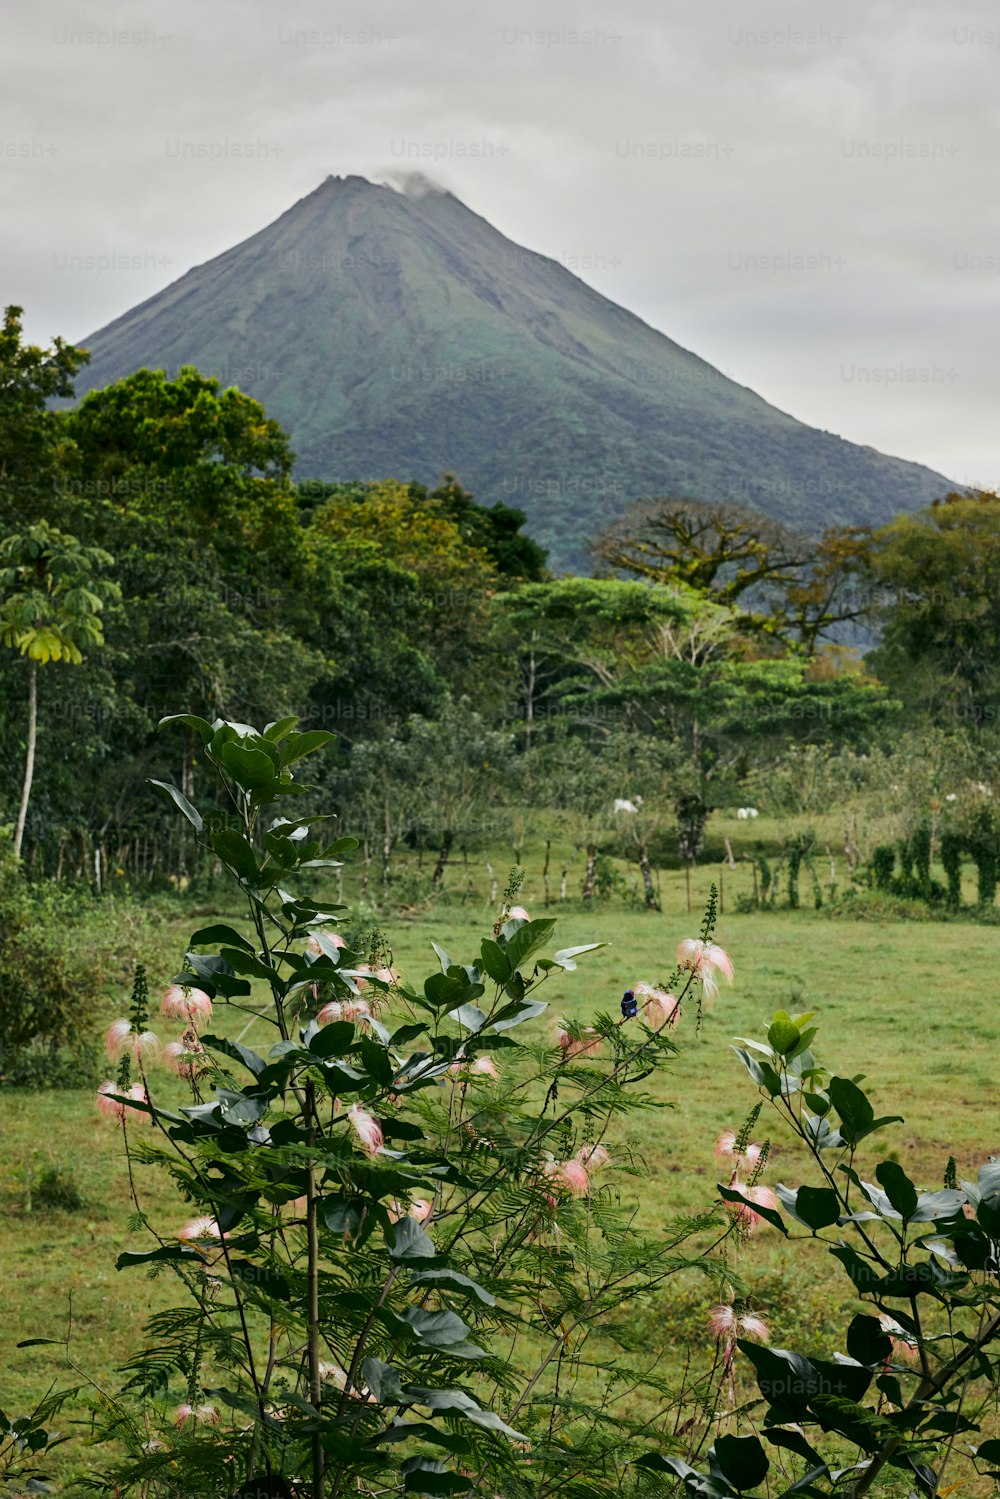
(312, 1307)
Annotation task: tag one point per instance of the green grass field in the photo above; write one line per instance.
(909, 1004)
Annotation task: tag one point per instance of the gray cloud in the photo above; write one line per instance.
(803, 196)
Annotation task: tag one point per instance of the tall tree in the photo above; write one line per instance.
(782, 586)
(51, 598)
(31, 437)
(939, 573)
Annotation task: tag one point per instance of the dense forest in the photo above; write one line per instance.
(157, 556)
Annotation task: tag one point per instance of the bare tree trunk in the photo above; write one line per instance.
(562, 882)
(442, 861)
(386, 850)
(591, 876)
(529, 706)
(545, 871)
(29, 759)
(851, 848)
(652, 904)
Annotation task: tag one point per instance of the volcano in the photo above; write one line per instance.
(395, 333)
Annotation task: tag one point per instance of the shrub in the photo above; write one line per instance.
(882, 866)
(52, 977)
(52, 1189)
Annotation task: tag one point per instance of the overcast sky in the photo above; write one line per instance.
(805, 195)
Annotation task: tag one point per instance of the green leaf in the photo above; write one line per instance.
(233, 849)
(783, 1035)
(784, 1378)
(407, 1241)
(898, 1188)
(280, 729)
(816, 1207)
(855, 1112)
(444, 991)
(867, 1342)
(565, 957)
(517, 1013)
(237, 1051)
(251, 769)
(527, 940)
(762, 1072)
(211, 936)
(269, 1282)
(793, 1441)
(165, 1252)
(180, 800)
(988, 1214)
(458, 1403)
(408, 1033)
(741, 1460)
(341, 1215)
(932, 1207)
(297, 746)
(376, 1062)
(191, 721)
(333, 1040)
(865, 1279)
(425, 1475)
(495, 962)
(988, 1452)
(454, 1280)
(250, 964)
(733, 1195)
(443, 1330)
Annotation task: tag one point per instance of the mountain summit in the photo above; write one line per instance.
(396, 333)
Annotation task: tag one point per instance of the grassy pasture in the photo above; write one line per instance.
(911, 1005)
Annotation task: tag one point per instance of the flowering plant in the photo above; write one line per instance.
(920, 1368)
(403, 1224)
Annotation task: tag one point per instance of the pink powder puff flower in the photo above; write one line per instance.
(121, 1037)
(578, 1046)
(571, 1176)
(592, 1158)
(367, 1129)
(725, 1145)
(315, 946)
(181, 1002)
(419, 1209)
(208, 1414)
(183, 1414)
(518, 913)
(357, 1011)
(109, 1106)
(387, 975)
(182, 1057)
(706, 959)
(197, 1229)
(481, 1067)
(658, 1007)
(763, 1196)
(727, 1324)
